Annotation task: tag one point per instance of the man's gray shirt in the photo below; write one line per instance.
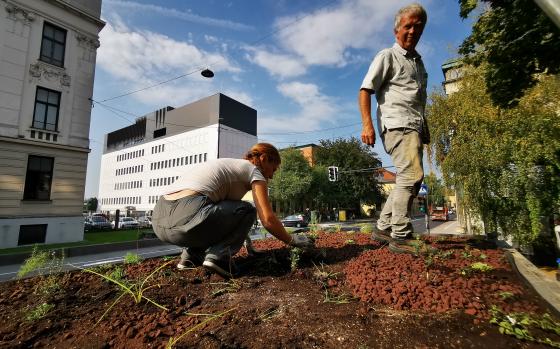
(398, 79)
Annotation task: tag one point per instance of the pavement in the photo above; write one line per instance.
(546, 286)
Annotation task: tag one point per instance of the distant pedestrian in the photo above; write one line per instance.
(398, 79)
(205, 214)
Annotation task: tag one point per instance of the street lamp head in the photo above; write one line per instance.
(207, 73)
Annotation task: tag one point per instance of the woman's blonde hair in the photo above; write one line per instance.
(272, 154)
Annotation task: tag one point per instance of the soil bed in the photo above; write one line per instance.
(349, 292)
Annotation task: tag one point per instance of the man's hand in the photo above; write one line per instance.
(301, 241)
(368, 135)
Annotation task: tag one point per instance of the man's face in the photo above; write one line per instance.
(409, 31)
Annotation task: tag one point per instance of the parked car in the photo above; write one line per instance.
(126, 222)
(96, 222)
(145, 221)
(296, 220)
(439, 214)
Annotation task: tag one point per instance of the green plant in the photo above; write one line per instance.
(321, 274)
(269, 314)
(349, 242)
(337, 299)
(174, 340)
(132, 258)
(520, 325)
(39, 312)
(366, 228)
(167, 258)
(48, 285)
(135, 290)
(231, 286)
(117, 274)
(337, 227)
(476, 267)
(506, 295)
(482, 267)
(37, 261)
(295, 255)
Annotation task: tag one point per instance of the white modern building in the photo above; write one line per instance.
(47, 63)
(142, 160)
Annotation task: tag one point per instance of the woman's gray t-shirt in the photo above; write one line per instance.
(220, 179)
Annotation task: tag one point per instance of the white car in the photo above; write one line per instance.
(126, 222)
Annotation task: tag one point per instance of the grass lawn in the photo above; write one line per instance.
(90, 238)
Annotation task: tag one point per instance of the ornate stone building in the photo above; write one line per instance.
(47, 63)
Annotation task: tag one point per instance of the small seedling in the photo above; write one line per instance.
(295, 255)
(135, 290)
(132, 258)
(506, 295)
(231, 286)
(366, 228)
(269, 314)
(349, 242)
(39, 312)
(337, 299)
(476, 267)
(167, 258)
(173, 340)
(322, 275)
(37, 261)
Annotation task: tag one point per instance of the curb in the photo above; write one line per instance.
(548, 290)
(18, 258)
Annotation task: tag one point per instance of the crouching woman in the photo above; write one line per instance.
(203, 212)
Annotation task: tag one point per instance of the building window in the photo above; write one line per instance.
(32, 234)
(47, 105)
(38, 178)
(53, 45)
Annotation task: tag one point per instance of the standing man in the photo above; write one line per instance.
(398, 79)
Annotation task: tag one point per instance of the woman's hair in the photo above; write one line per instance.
(259, 149)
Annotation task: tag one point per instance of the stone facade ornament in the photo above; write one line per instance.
(87, 42)
(19, 14)
(41, 70)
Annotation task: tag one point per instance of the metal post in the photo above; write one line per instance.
(551, 8)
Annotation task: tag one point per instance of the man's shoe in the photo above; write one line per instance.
(190, 260)
(224, 267)
(383, 236)
(413, 247)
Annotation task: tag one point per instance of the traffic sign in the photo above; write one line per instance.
(423, 190)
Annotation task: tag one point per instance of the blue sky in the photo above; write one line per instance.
(298, 63)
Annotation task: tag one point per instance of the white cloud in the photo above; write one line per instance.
(327, 37)
(173, 13)
(315, 109)
(280, 65)
(143, 58)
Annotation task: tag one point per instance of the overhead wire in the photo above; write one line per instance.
(258, 40)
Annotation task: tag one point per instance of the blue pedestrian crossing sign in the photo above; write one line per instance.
(423, 190)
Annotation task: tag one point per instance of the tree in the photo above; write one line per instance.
(507, 161)
(517, 40)
(292, 181)
(436, 190)
(91, 205)
(353, 187)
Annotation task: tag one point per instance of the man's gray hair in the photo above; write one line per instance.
(414, 8)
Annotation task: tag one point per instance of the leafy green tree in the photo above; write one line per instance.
(292, 181)
(353, 186)
(506, 161)
(517, 40)
(436, 190)
(92, 204)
